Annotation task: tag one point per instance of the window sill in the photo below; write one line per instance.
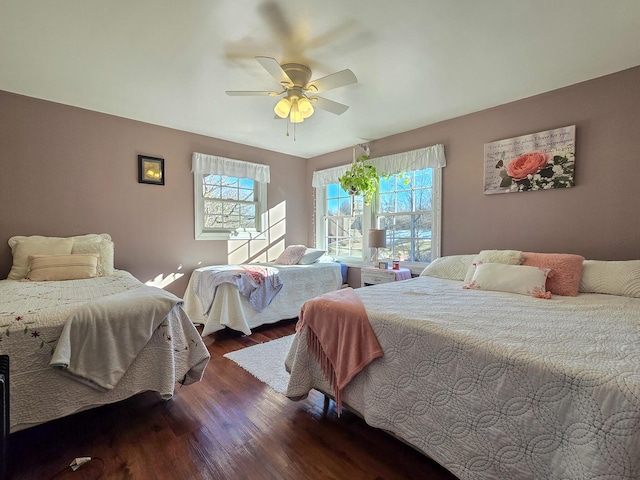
(231, 236)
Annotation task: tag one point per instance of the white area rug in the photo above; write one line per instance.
(266, 362)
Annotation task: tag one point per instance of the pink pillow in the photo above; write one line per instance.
(291, 255)
(566, 270)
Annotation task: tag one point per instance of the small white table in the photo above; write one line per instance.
(375, 276)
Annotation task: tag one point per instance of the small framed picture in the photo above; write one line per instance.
(150, 170)
(383, 265)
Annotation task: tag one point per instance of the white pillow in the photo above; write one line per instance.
(291, 255)
(452, 267)
(520, 279)
(611, 277)
(311, 255)
(507, 257)
(89, 237)
(105, 251)
(23, 248)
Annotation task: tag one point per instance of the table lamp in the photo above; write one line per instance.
(377, 239)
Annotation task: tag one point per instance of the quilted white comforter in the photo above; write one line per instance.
(32, 316)
(230, 309)
(499, 386)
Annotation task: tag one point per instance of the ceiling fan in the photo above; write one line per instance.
(299, 93)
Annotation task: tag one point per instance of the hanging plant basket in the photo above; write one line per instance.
(360, 179)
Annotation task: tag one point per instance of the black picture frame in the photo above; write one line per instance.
(383, 265)
(150, 170)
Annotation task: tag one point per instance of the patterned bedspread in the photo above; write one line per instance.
(499, 386)
(32, 315)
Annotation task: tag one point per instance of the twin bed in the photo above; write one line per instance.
(87, 341)
(493, 384)
(232, 310)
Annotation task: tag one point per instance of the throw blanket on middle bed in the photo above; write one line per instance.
(340, 336)
(258, 284)
(101, 339)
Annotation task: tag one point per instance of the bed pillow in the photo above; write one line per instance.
(620, 277)
(62, 267)
(452, 267)
(311, 255)
(566, 270)
(22, 247)
(507, 257)
(291, 255)
(103, 248)
(89, 237)
(500, 277)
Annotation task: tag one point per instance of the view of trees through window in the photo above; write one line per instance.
(405, 212)
(403, 207)
(229, 203)
(343, 222)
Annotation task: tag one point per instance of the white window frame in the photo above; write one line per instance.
(260, 197)
(203, 164)
(370, 213)
(429, 157)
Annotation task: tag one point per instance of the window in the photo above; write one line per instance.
(342, 223)
(405, 211)
(227, 203)
(407, 206)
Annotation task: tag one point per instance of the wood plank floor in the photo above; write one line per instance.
(229, 426)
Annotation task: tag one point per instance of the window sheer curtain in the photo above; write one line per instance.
(428, 157)
(202, 163)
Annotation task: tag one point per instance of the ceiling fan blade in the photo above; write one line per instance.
(335, 80)
(240, 93)
(329, 105)
(272, 66)
(273, 14)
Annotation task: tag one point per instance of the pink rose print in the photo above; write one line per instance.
(527, 164)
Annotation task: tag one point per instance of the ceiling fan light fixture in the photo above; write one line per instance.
(295, 116)
(283, 107)
(304, 107)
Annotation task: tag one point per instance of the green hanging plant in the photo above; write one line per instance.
(361, 179)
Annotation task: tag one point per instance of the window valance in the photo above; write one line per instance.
(210, 164)
(428, 157)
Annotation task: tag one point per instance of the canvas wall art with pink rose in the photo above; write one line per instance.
(538, 161)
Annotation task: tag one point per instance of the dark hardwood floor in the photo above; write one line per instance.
(229, 426)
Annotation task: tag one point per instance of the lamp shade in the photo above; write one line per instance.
(295, 116)
(377, 238)
(305, 107)
(283, 107)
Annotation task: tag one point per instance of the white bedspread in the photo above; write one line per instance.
(230, 309)
(32, 316)
(496, 385)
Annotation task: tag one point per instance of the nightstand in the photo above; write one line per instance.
(375, 276)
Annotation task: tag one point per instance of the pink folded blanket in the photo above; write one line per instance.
(340, 336)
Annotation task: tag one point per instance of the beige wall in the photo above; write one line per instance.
(67, 171)
(598, 218)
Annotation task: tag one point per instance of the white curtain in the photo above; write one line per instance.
(428, 157)
(210, 164)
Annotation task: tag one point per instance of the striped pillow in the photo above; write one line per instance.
(62, 267)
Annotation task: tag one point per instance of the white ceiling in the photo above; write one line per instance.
(169, 62)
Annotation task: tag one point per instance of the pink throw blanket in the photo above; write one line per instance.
(340, 336)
